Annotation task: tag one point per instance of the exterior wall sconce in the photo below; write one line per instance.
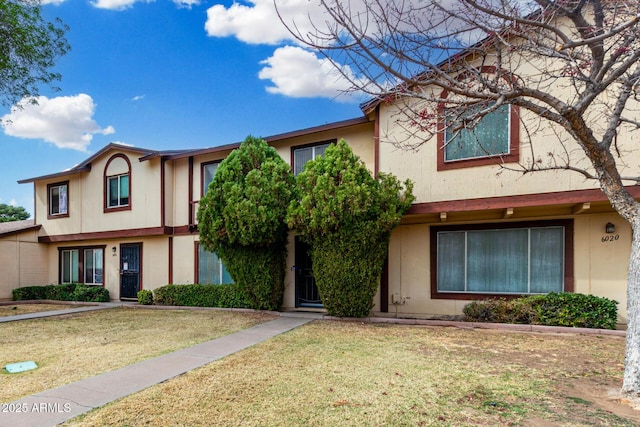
(113, 249)
(610, 228)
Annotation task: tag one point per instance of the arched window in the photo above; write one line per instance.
(117, 184)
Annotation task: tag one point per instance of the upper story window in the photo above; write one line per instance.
(118, 191)
(117, 183)
(304, 154)
(208, 172)
(58, 200)
(489, 137)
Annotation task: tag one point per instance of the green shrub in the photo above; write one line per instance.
(553, 309)
(145, 297)
(576, 310)
(346, 216)
(65, 292)
(227, 296)
(242, 219)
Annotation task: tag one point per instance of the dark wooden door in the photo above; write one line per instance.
(307, 294)
(130, 268)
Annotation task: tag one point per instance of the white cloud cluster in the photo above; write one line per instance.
(298, 73)
(65, 121)
(293, 70)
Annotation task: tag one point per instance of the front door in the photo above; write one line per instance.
(307, 294)
(130, 268)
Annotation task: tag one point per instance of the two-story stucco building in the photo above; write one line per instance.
(125, 219)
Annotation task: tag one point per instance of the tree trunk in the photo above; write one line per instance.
(631, 380)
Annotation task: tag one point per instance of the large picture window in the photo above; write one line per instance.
(501, 259)
(210, 269)
(302, 155)
(82, 265)
(58, 200)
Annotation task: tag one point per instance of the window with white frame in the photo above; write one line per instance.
(58, 199)
(489, 137)
(118, 191)
(512, 260)
(303, 155)
(211, 270)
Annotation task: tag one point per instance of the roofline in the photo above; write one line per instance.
(74, 171)
(85, 166)
(21, 230)
(274, 138)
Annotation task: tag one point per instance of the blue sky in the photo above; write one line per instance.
(167, 75)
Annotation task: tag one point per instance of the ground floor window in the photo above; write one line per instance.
(82, 265)
(510, 258)
(210, 269)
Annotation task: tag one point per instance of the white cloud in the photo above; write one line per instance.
(53, 2)
(138, 98)
(186, 3)
(116, 4)
(65, 121)
(257, 21)
(298, 73)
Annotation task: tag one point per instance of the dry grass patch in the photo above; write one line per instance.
(347, 374)
(16, 309)
(72, 347)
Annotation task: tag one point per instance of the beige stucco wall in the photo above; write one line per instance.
(86, 199)
(600, 268)
(155, 261)
(23, 261)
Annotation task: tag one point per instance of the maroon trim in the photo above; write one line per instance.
(170, 273)
(106, 208)
(518, 201)
(134, 232)
(196, 257)
(163, 215)
(190, 192)
(56, 216)
(568, 255)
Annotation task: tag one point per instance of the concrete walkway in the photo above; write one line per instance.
(54, 406)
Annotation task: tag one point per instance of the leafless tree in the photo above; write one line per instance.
(570, 67)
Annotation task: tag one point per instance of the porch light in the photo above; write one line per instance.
(113, 249)
(610, 228)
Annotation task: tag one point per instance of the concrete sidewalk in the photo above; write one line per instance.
(52, 407)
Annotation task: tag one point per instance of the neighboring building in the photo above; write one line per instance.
(126, 219)
(23, 260)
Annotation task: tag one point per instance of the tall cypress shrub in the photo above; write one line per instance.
(346, 216)
(242, 219)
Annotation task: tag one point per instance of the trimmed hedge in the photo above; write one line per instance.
(225, 296)
(66, 292)
(145, 297)
(553, 309)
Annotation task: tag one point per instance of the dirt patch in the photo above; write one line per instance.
(17, 309)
